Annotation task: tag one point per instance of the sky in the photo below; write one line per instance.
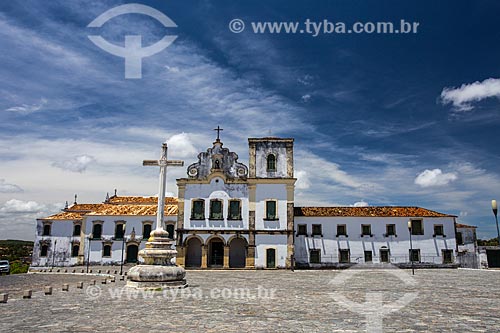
(378, 119)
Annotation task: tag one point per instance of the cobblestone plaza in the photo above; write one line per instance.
(258, 301)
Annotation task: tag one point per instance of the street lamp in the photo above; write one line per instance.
(494, 207)
(411, 247)
(123, 246)
(88, 253)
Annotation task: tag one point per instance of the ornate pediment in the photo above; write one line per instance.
(217, 159)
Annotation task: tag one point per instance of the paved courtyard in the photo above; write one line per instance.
(262, 301)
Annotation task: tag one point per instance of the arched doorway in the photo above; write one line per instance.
(215, 252)
(237, 253)
(132, 251)
(193, 252)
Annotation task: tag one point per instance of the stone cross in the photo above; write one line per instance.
(218, 129)
(162, 163)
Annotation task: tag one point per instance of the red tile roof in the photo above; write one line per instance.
(371, 211)
(82, 207)
(116, 205)
(460, 225)
(125, 200)
(133, 210)
(65, 216)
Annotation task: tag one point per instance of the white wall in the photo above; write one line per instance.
(109, 223)
(430, 247)
(60, 242)
(277, 242)
(469, 240)
(264, 192)
(216, 189)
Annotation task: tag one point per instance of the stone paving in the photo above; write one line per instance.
(260, 301)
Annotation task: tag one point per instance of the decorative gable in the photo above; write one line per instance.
(217, 159)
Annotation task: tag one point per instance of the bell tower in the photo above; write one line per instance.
(270, 157)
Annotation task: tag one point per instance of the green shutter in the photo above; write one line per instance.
(216, 209)
(234, 210)
(198, 210)
(271, 210)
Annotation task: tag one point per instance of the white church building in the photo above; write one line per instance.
(230, 215)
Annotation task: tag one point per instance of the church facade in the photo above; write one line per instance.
(229, 215)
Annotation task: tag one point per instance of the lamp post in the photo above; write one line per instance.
(88, 253)
(54, 253)
(411, 247)
(123, 246)
(494, 207)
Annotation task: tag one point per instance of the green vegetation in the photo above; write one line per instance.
(489, 242)
(18, 253)
(17, 267)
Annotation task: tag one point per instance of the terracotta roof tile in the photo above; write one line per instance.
(108, 209)
(125, 200)
(82, 207)
(65, 216)
(371, 211)
(117, 206)
(460, 225)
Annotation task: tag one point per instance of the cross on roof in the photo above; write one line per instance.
(218, 129)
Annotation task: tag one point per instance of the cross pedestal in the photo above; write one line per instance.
(158, 270)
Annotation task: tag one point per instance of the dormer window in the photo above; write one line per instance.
(271, 162)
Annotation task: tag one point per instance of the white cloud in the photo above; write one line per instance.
(18, 217)
(361, 203)
(19, 206)
(75, 164)
(303, 181)
(9, 188)
(305, 80)
(434, 177)
(462, 97)
(180, 145)
(172, 69)
(27, 108)
(305, 98)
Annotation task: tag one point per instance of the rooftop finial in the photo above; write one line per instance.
(115, 192)
(76, 196)
(66, 205)
(218, 129)
(107, 197)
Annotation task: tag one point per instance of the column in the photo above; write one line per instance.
(250, 260)
(204, 251)
(226, 257)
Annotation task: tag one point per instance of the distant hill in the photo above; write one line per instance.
(13, 250)
(487, 242)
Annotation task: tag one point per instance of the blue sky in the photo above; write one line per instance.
(381, 119)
